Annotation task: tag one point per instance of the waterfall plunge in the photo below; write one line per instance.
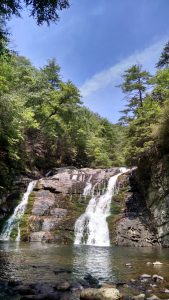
(91, 228)
(14, 220)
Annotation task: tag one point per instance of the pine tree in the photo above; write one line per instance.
(135, 83)
(51, 71)
(164, 58)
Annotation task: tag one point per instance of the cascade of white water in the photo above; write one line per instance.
(88, 187)
(14, 220)
(91, 228)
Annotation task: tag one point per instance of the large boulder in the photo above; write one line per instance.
(100, 294)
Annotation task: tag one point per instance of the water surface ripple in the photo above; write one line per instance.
(38, 262)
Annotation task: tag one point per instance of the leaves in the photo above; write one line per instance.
(43, 123)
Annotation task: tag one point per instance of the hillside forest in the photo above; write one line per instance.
(43, 123)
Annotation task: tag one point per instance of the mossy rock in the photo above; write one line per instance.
(116, 208)
(64, 236)
(24, 223)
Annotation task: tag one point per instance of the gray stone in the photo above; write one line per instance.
(139, 297)
(145, 276)
(44, 200)
(157, 263)
(41, 236)
(157, 278)
(153, 297)
(63, 285)
(100, 294)
(128, 265)
(24, 290)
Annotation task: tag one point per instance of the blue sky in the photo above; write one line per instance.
(94, 42)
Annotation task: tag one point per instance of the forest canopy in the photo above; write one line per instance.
(146, 115)
(42, 11)
(43, 123)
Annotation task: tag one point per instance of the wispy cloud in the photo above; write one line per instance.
(147, 56)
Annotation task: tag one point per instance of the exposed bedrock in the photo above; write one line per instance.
(57, 202)
(153, 177)
(131, 222)
(139, 214)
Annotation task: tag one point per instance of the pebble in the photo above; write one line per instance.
(128, 265)
(157, 263)
(157, 278)
(139, 297)
(153, 297)
(166, 291)
(145, 276)
(63, 286)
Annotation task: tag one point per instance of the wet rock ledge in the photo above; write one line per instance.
(57, 201)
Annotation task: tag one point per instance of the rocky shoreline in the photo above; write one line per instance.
(146, 286)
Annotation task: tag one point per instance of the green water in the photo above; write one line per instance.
(38, 262)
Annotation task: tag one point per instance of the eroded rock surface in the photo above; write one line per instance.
(153, 177)
(100, 294)
(57, 202)
(131, 222)
(139, 212)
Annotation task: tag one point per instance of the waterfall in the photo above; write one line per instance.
(91, 228)
(14, 220)
(88, 187)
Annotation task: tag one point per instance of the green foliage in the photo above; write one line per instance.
(161, 132)
(161, 82)
(43, 123)
(135, 82)
(3, 38)
(42, 11)
(164, 58)
(139, 135)
(147, 120)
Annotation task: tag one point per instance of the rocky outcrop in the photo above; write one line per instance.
(139, 210)
(57, 201)
(131, 222)
(100, 294)
(10, 199)
(153, 177)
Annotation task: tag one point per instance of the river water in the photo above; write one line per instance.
(38, 262)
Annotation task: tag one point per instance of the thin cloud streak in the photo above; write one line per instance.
(111, 75)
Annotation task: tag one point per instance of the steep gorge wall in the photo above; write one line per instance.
(153, 177)
(139, 210)
(131, 222)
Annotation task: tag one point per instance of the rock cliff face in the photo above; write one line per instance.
(131, 222)
(57, 202)
(153, 176)
(139, 210)
(9, 200)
